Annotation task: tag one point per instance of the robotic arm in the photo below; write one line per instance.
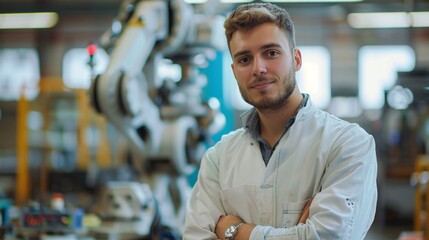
(121, 92)
(128, 92)
(164, 122)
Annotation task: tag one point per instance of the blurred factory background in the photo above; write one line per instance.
(97, 104)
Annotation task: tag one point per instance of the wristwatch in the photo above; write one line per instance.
(232, 231)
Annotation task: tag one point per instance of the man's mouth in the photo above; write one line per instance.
(261, 85)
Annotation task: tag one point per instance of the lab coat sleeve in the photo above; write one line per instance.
(204, 207)
(345, 206)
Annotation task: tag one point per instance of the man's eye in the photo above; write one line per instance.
(272, 53)
(243, 60)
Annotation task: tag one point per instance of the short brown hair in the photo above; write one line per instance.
(248, 16)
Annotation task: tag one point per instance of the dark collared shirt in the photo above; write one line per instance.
(254, 128)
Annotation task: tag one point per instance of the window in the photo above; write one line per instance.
(19, 72)
(378, 67)
(314, 77)
(76, 70)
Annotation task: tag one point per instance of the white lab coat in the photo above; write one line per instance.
(320, 155)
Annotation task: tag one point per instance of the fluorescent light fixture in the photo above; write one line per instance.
(311, 1)
(195, 1)
(28, 20)
(388, 19)
(236, 1)
(420, 19)
(222, 1)
(278, 1)
(379, 20)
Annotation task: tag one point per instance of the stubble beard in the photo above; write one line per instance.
(276, 102)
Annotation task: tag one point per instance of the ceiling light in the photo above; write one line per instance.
(388, 19)
(28, 20)
(278, 1)
(379, 20)
(223, 1)
(195, 1)
(420, 19)
(236, 1)
(311, 1)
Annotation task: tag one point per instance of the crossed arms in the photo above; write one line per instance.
(245, 230)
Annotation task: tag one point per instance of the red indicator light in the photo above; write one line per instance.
(91, 48)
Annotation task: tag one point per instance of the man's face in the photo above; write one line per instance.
(264, 66)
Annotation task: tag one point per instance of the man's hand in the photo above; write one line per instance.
(245, 230)
(305, 212)
(226, 221)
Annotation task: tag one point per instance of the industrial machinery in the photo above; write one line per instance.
(165, 122)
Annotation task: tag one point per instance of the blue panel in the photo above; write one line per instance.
(214, 88)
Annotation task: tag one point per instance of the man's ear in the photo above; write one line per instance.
(297, 59)
(232, 67)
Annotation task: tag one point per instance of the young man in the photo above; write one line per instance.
(292, 171)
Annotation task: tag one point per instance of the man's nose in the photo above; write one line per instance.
(259, 66)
